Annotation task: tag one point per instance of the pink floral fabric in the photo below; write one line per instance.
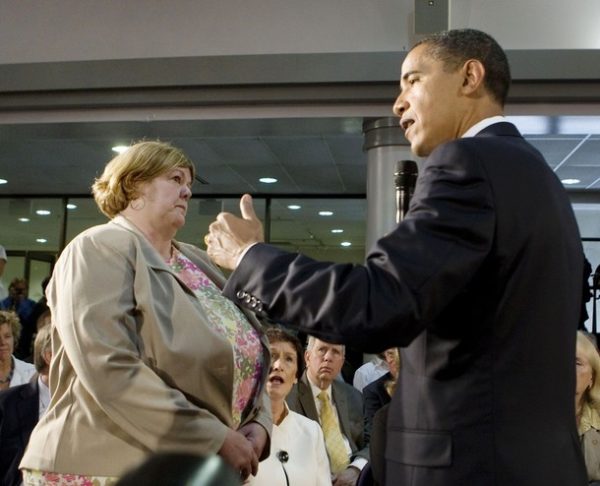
(229, 321)
(41, 478)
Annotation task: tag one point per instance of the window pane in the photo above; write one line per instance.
(306, 231)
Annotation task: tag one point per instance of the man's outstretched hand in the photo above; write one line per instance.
(228, 236)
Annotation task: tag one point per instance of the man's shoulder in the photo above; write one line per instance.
(14, 393)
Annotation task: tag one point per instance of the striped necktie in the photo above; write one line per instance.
(334, 442)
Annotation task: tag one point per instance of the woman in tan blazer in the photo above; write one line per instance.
(148, 356)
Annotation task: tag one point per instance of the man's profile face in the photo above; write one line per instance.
(324, 362)
(429, 104)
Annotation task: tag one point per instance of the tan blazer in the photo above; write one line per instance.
(140, 369)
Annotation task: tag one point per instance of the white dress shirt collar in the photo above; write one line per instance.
(480, 125)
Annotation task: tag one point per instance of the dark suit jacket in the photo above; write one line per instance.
(19, 410)
(349, 405)
(481, 283)
(375, 396)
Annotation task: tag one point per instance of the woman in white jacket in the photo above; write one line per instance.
(298, 456)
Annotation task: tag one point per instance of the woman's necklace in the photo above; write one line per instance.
(4, 381)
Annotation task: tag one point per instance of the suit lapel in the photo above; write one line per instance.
(341, 404)
(28, 409)
(306, 399)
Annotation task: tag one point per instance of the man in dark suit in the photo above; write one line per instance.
(323, 365)
(480, 284)
(20, 409)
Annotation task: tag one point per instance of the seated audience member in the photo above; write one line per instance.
(20, 409)
(13, 371)
(336, 405)
(587, 404)
(370, 371)
(3, 260)
(298, 453)
(378, 393)
(18, 302)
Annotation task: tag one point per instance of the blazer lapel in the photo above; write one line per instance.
(341, 405)
(28, 410)
(306, 399)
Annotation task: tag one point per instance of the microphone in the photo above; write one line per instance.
(283, 457)
(405, 179)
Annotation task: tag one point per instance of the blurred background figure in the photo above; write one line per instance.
(19, 302)
(148, 355)
(13, 371)
(298, 455)
(20, 409)
(587, 404)
(173, 469)
(336, 405)
(380, 392)
(3, 260)
(370, 371)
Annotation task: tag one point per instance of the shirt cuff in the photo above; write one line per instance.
(243, 254)
(359, 463)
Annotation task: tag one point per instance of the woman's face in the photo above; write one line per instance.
(584, 373)
(163, 201)
(284, 365)
(7, 342)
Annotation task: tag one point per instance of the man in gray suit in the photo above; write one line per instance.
(323, 365)
(480, 284)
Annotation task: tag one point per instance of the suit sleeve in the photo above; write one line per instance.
(93, 294)
(409, 276)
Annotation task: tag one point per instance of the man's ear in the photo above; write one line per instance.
(473, 75)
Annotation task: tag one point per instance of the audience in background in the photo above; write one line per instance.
(20, 409)
(13, 371)
(380, 392)
(298, 453)
(18, 301)
(336, 405)
(587, 404)
(3, 260)
(370, 371)
(148, 355)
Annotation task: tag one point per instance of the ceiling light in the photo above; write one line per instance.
(570, 181)
(268, 180)
(24, 220)
(120, 148)
(43, 212)
(325, 213)
(337, 230)
(71, 206)
(42, 240)
(294, 207)
(346, 243)
(3, 181)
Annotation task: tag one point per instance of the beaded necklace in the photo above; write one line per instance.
(10, 374)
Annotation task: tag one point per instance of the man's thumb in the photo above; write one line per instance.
(247, 208)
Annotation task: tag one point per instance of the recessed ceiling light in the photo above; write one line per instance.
(337, 230)
(71, 206)
(42, 240)
(43, 212)
(24, 220)
(120, 148)
(346, 243)
(3, 181)
(325, 213)
(570, 181)
(294, 207)
(268, 180)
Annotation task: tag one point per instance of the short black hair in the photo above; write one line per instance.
(457, 46)
(277, 334)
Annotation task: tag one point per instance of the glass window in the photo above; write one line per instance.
(325, 229)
